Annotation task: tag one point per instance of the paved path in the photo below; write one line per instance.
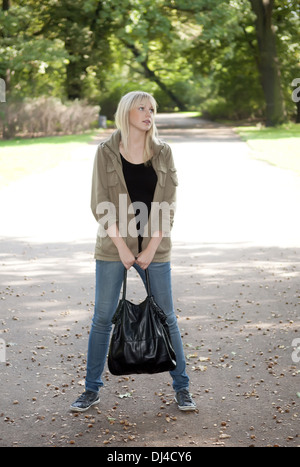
(236, 292)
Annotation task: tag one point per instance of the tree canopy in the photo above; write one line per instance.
(232, 59)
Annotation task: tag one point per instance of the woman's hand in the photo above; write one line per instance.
(144, 258)
(126, 256)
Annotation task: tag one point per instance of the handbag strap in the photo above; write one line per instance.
(125, 283)
(148, 282)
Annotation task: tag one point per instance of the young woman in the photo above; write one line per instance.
(133, 196)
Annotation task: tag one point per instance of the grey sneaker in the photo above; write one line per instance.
(185, 401)
(85, 401)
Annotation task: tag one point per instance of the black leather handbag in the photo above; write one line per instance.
(140, 342)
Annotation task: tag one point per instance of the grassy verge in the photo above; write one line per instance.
(278, 146)
(21, 157)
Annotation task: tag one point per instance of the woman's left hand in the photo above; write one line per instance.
(144, 258)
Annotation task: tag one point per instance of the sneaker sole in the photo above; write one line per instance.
(186, 408)
(79, 409)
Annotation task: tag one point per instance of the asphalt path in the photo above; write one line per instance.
(235, 265)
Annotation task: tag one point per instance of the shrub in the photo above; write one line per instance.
(46, 116)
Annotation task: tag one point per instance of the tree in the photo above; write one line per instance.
(143, 27)
(83, 30)
(217, 47)
(31, 63)
(5, 70)
(233, 58)
(286, 19)
(215, 41)
(268, 62)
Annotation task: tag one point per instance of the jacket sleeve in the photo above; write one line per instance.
(103, 209)
(171, 186)
(163, 210)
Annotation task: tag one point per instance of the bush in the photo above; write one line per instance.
(46, 116)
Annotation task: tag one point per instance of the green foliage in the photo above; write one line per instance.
(32, 65)
(287, 19)
(198, 55)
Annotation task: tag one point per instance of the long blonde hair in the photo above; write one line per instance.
(128, 102)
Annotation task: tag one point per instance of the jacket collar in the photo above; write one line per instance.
(112, 150)
(113, 144)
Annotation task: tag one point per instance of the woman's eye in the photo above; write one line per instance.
(143, 108)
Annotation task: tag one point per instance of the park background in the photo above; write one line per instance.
(63, 63)
(232, 59)
(226, 77)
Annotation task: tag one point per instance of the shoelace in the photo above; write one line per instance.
(185, 397)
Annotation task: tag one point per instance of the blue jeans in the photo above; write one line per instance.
(109, 279)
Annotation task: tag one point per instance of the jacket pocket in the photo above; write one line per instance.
(112, 176)
(162, 175)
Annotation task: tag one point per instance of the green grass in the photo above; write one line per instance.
(21, 157)
(278, 146)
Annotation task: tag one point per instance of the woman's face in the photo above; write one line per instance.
(141, 116)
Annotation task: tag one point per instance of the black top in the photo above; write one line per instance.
(141, 182)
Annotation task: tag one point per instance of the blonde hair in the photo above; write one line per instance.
(128, 102)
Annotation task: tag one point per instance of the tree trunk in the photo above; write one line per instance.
(298, 112)
(5, 5)
(6, 130)
(73, 81)
(268, 62)
(75, 70)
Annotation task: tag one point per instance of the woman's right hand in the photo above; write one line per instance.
(126, 256)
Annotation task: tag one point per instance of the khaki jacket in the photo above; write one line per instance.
(109, 207)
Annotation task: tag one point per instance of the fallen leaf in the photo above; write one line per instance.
(127, 394)
(224, 436)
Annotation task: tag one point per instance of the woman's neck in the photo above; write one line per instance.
(136, 147)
